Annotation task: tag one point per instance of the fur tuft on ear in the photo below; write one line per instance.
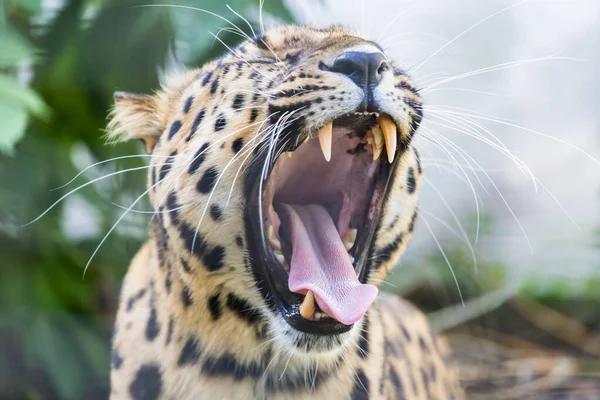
(135, 116)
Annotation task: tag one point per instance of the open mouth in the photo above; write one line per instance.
(313, 216)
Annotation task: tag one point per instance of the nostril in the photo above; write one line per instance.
(382, 68)
(346, 67)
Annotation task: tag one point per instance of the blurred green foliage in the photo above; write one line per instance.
(58, 70)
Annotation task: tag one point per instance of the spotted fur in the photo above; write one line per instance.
(192, 322)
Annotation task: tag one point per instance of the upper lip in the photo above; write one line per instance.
(267, 268)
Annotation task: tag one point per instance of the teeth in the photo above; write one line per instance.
(365, 113)
(289, 154)
(307, 308)
(377, 142)
(376, 152)
(273, 241)
(349, 238)
(325, 136)
(378, 136)
(389, 134)
(279, 257)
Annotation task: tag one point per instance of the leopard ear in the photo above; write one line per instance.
(136, 116)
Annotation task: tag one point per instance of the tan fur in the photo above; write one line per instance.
(192, 323)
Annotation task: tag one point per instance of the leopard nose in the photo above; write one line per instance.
(365, 69)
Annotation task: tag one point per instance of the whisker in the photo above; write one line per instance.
(571, 145)
(462, 236)
(500, 146)
(495, 68)
(200, 10)
(438, 51)
(445, 258)
(243, 19)
(105, 162)
(217, 183)
(87, 184)
(460, 151)
(401, 13)
(473, 191)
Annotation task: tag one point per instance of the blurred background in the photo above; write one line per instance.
(510, 216)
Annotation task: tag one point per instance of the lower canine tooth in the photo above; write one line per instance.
(307, 308)
(325, 137)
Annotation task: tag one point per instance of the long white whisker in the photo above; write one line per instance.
(462, 236)
(217, 183)
(87, 184)
(475, 25)
(460, 151)
(571, 145)
(475, 197)
(200, 10)
(498, 67)
(445, 258)
(459, 125)
(243, 19)
(401, 13)
(105, 162)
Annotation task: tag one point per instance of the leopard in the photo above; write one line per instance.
(284, 182)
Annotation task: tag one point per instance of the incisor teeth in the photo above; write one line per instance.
(307, 308)
(325, 136)
(389, 134)
(273, 241)
(349, 238)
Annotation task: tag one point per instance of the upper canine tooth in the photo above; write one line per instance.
(307, 308)
(289, 154)
(325, 137)
(389, 134)
(349, 238)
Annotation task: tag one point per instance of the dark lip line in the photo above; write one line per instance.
(267, 270)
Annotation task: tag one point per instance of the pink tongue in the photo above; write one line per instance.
(321, 264)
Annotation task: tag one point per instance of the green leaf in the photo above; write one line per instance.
(14, 49)
(19, 96)
(49, 346)
(14, 122)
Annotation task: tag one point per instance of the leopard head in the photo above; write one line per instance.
(283, 174)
